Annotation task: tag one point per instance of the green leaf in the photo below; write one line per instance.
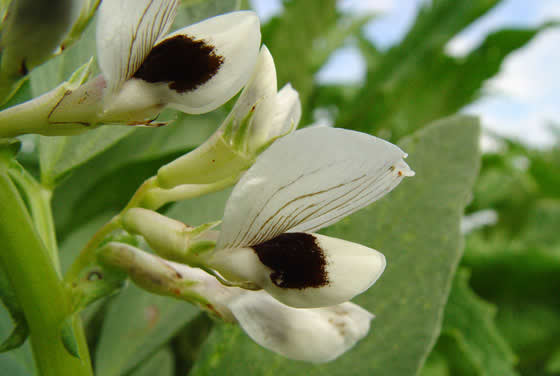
(533, 330)
(303, 32)
(415, 82)
(436, 365)
(161, 364)
(470, 321)
(554, 363)
(136, 325)
(417, 228)
(542, 225)
(59, 155)
(522, 278)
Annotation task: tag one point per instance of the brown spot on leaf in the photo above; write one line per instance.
(296, 259)
(183, 62)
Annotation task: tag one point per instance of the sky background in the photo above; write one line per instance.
(521, 102)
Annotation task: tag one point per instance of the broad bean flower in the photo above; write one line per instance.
(194, 69)
(302, 183)
(315, 335)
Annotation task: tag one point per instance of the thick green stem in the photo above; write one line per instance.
(39, 202)
(40, 292)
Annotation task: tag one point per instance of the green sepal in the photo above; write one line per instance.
(17, 337)
(241, 135)
(199, 247)
(21, 330)
(96, 282)
(10, 146)
(265, 146)
(81, 74)
(199, 230)
(68, 337)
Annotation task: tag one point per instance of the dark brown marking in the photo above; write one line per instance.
(23, 69)
(183, 62)
(296, 259)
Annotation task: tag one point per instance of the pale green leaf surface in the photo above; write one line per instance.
(417, 228)
(59, 155)
(161, 364)
(136, 325)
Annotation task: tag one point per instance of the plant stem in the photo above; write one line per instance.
(39, 201)
(40, 292)
(87, 255)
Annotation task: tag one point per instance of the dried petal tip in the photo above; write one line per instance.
(401, 169)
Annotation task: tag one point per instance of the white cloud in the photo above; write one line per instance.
(531, 74)
(346, 65)
(267, 9)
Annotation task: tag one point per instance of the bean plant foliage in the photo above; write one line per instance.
(112, 262)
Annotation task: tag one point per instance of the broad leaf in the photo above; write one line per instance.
(417, 228)
(136, 325)
(160, 364)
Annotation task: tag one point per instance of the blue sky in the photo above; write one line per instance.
(521, 102)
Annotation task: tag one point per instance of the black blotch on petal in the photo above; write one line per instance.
(296, 259)
(183, 62)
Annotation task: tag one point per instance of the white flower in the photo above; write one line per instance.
(302, 183)
(313, 335)
(195, 69)
(260, 116)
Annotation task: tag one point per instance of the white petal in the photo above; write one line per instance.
(231, 44)
(277, 120)
(304, 270)
(260, 91)
(313, 335)
(126, 32)
(308, 180)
